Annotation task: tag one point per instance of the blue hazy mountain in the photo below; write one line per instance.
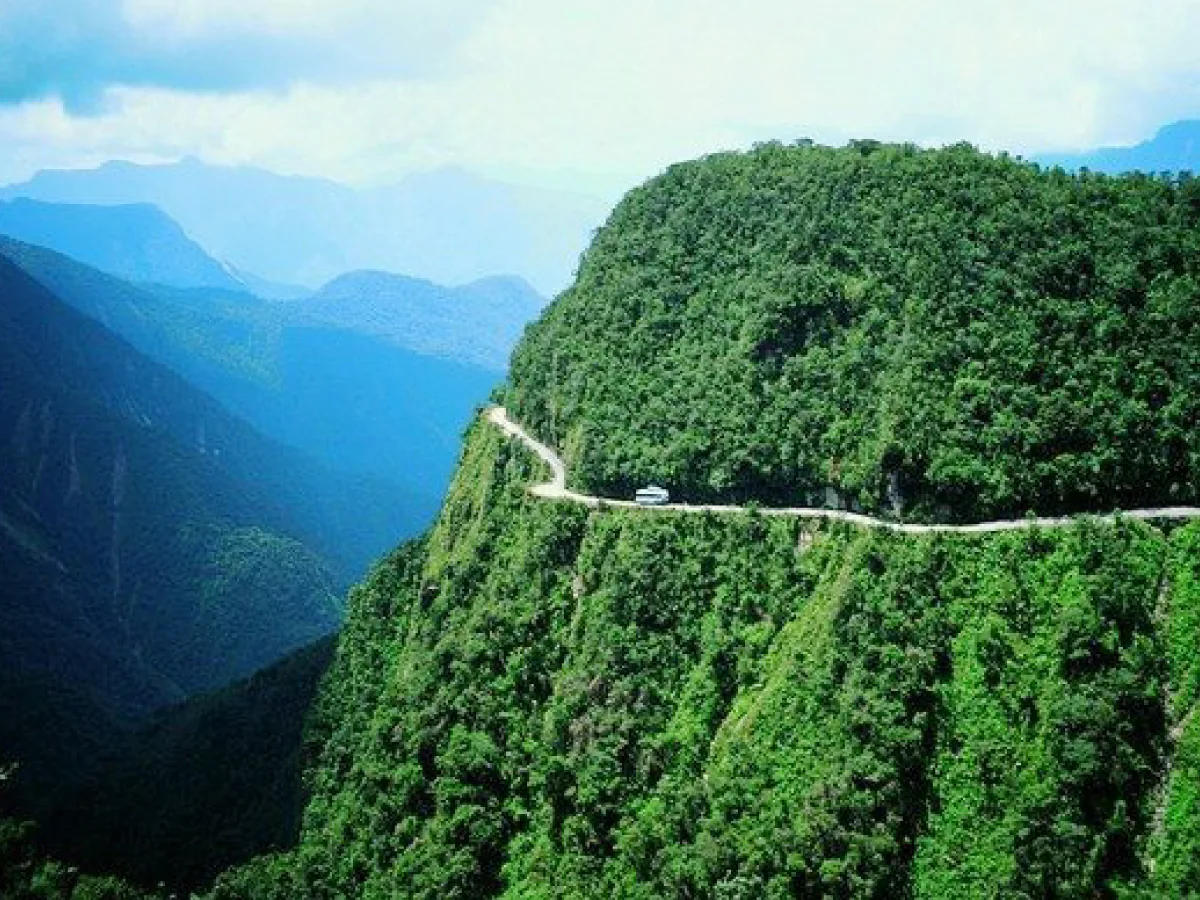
(358, 404)
(137, 242)
(151, 543)
(1175, 148)
(477, 323)
(449, 226)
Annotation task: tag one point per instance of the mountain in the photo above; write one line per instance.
(152, 544)
(934, 334)
(136, 242)
(545, 699)
(1175, 148)
(478, 323)
(204, 785)
(360, 406)
(449, 226)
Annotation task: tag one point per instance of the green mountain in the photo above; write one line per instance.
(137, 242)
(478, 323)
(152, 544)
(205, 784)
(545, 700)
(944, 334)
(1175, 148)
(356, 403)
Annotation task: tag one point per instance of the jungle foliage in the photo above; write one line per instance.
(544, 701)
(942, 333)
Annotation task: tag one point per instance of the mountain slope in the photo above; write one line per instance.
(545, 700)
(355, 403)
(937, 333)
(448, 226)
(1175, 148)
(152, 545)
(204, 785)
(134, 242)
(124, 487)
(478, 323)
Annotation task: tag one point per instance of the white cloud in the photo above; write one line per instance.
(617, 89)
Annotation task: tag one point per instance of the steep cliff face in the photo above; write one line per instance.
(546, 701)
(543, 700)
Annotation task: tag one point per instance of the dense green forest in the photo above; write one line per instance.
(943, 333)
(542, 700)
(206, 784)
(151, 545)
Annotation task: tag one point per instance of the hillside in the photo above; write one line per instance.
(477, 324)
(360, 406)
(135, 242)
(152, 544)
(938, 334)
(1175, 148)
(449, 226)
(545, 700)
(205, 784)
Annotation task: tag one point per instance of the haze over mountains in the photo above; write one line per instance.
(477, 323)
(449, 226)
(137, 242)
(359, 404)
(1175, 148)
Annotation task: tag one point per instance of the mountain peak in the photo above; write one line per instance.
(135, 241)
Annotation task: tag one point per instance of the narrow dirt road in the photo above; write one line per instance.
(556, 489)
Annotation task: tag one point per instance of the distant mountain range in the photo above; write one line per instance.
(137, 242)
(449, 226)
(358, 404)
(478, 323)
(1175, 148)
(192, 476)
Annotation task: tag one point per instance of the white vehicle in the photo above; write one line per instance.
(651, 495)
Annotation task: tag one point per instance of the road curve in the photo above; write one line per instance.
(556, 489)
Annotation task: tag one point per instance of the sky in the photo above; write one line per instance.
(580, 94)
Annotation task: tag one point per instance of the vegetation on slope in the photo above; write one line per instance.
(543, 701)
(149, 544)
(946, 332)
(206, 785)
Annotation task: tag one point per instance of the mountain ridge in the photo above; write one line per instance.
(449, 225)
(1174, 148)
(477, 323)
(135, 241)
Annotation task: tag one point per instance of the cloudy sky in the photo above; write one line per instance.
(581, 93)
